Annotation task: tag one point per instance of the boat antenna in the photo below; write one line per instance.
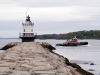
(26, 14)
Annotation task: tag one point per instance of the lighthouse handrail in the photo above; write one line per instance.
(27, 34)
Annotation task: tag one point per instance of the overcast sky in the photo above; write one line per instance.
(49, 16)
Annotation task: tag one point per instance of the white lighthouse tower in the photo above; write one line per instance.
(27, 35)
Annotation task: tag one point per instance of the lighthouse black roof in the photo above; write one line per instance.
(28, 18)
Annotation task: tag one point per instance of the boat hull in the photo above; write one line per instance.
(73, 44)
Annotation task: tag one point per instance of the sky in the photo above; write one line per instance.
(49, 16)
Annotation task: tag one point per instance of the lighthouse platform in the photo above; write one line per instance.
(28, 37)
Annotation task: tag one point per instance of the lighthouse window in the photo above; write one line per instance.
(24, 30)
(31, 30)
(31, 34)
(23, 34)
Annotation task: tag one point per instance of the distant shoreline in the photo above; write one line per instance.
(50, 39)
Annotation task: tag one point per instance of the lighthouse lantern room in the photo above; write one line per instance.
(27, 35)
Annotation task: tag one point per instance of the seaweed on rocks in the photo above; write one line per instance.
(9, 45)
(48, 46)
(78, 68)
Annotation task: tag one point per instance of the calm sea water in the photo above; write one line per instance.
(82, 55)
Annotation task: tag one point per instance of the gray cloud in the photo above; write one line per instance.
(54, 3)
(49, 16)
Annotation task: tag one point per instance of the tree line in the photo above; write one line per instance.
(91, 34)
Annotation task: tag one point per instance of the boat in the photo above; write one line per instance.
(72, 42)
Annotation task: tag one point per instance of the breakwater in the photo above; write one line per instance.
(35, 58)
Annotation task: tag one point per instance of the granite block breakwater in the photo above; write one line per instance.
(35, 58)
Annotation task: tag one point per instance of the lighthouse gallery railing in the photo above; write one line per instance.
(27, 34)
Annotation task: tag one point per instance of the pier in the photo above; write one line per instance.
(35, 58)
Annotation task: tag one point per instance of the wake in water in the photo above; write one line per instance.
(87, 45)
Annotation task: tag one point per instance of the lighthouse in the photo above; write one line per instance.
(27, 35)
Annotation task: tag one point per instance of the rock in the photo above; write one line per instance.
(80, 70)
(9, 45)
(47, 45)
(4, 71)
(91, 63)
(91, 70)
(80, 62)
(36, 58)
(15, 72)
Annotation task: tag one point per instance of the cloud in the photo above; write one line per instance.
(56, 3)
(45, 14)
(49, 16)
(72, 9)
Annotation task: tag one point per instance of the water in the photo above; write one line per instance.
(82, 55)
